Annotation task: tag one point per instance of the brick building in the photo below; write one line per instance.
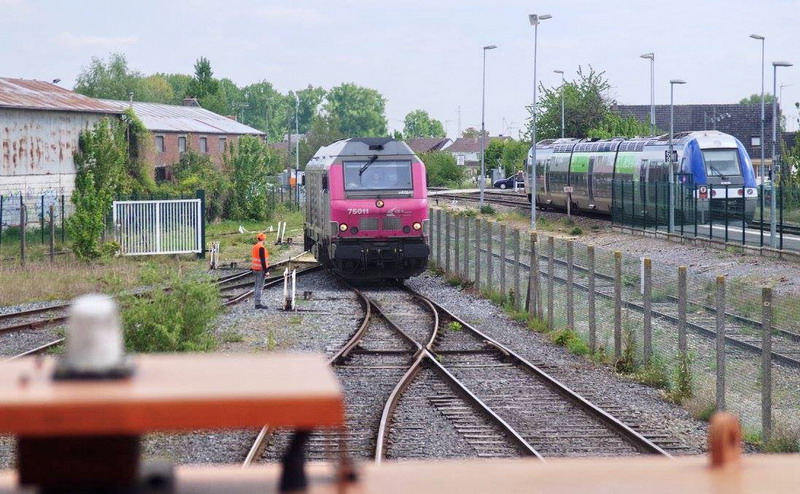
(177, 129)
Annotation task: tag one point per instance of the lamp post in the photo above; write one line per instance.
(562, 100)
(652, 57)
(297, 148)
(761, 168)
(483, 123)
(772, 228)
(534, 19)
(671, 226)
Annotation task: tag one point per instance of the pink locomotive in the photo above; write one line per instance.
(367, 209)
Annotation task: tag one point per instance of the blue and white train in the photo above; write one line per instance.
(714, 168)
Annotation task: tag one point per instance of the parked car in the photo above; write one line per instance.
(508, 183)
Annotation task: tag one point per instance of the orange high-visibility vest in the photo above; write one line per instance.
(255, 262)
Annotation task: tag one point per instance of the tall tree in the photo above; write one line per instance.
(155, 89)
(755, 99)
(360, 111)
(613, 125)
(111, 79)
(210, 92)
(179, 84)
(419, 124)
(249, 163)
(586, 104)
(473, 132)
(324, 130)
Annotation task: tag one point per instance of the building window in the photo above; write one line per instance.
(182, 144)
(161, 174)
(159, 144)
(204, 145)
(222, 141)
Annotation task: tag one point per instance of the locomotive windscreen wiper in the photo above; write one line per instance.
(366, 165)
(719, 173)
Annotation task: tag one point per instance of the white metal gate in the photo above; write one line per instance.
(158, 227)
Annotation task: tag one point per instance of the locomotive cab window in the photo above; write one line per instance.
(721, 162)
(377, 175)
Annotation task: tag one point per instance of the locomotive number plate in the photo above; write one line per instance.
(357, 210)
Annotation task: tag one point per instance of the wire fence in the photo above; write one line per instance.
(710, 342)
(758, 217)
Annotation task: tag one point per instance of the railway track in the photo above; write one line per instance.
(33, 321)
(415, 387)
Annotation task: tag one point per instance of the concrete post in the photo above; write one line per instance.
(489, 256)
(551, 254)
(52, 235)
(446, 242)
(478, 235)
(503, 249)
(23, 227)
(533, 278)
(617, 304)
(438, 239)
(466, 248)
(457, 246)
(518, 298)
(648, 321)
(570, 284)
(682, 349)
(592, 308)
(720, 307)
(766, 364)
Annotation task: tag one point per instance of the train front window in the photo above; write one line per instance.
(379, 175)
(721, 162)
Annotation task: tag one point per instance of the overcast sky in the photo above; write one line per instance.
(421, 54)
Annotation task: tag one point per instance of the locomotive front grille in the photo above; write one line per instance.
(368, 224)
(392, 224)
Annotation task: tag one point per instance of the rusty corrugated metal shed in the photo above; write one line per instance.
(158, 117)
(27, 94)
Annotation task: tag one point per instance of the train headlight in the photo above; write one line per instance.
(417, 225)
(379, 203)
(343, 227)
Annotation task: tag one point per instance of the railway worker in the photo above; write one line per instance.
(259, 265)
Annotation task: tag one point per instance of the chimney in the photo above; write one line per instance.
(189, 101)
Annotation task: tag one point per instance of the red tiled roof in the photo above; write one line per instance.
(39, 95)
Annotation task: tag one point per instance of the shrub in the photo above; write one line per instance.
(487, 209)
(682, 390)
(653, 374)
(178, 320)
(455, 326)
(576, 231)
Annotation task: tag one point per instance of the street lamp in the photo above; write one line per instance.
(652, 57)
(761, 168)
(772, 228)
(671, 226)
(483, 123)
(534, 19)
(297, 147)
(562, 100)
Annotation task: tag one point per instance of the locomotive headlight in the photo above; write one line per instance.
(417, 225)
(379, 203)
(343, 227)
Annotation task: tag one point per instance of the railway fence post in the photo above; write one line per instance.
(52, 235)
(456, 247)
(447, 242)
(533, 278)
(23, 226)
(682, 350)
(490, 256)
(647, 285)
(617, 304)
(478, 235)
(438, 238)
(766, 364)
(551, 254)
(517, 268)
(503, 252)
(570, 285)
(466, 249)
(720, 308)
(592, 316)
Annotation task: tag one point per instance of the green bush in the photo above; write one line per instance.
(576, 231)
(455, 326)
(487, 209)
(176, 320)
(442, 169)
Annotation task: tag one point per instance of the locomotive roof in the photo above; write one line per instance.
(360, 147)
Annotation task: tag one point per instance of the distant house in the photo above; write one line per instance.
(740, 121)
(428, 144)
(177, 129)
(467, 150)
(40, 124)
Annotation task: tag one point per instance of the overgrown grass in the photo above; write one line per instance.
(654, 374)
(570, 339)
(179, 320)
(488, 209)
(454, 326)
(682, 389)
(231, 336)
